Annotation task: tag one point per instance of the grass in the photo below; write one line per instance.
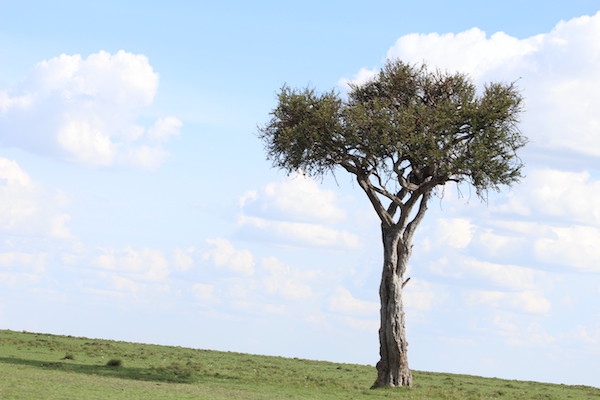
(40, 366)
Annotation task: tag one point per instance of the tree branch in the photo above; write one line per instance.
(412, 226)
(369, 189)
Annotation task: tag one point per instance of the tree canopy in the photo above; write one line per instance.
(408, 129)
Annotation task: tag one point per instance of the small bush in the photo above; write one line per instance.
(68, 356)
(115, 362)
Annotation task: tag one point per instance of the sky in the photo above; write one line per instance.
(137, 204)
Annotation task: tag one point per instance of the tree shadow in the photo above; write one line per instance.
(166, 374)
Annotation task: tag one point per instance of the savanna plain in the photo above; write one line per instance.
(40, 366)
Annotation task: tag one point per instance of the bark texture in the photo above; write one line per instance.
(392, 368)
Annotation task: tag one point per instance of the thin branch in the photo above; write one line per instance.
(364, 183)
(412, 226)
(385, 193)
(353, 169)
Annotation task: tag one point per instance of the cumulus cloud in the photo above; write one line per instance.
(512, 277)
(83, 110)
(556, 70)
(553, 193)
(297, 233)
(421, 296)
(496, 244)
(503, 276)
(26, 208)
(224, 255)
(298, 198)
(286, 282)
(183, 260)
(575, 246)
(367, 325)
(532, 302)
(21, 268)
(455, 232)
(205, 293)
(345, 303)
(470, 51)
(520, 331)
(297, 212)
(259, 308)
(363, 76)
(20, 260)
(143, 264)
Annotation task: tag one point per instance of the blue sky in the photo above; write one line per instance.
(136, 202)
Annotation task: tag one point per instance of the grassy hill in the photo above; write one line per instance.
(39, 366)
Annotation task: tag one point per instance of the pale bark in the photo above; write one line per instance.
(392, 368)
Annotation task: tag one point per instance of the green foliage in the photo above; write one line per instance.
(406, 125)
(31, 369)
(306, 126)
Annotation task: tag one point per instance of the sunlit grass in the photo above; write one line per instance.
(39, 366)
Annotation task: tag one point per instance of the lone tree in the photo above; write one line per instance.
(402, 134)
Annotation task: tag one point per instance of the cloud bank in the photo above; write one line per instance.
(84, 111)
(295, 212)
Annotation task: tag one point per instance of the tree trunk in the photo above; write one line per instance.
(392, 368)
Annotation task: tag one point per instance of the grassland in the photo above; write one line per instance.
(39, 366)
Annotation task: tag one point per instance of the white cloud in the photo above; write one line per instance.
(505, 276)
(145, 264)
(532, 302)
(496, 245)
(471, 51)
(533, 335)
(343, 302)
(183, 259)
(285, 281)
(420, 295)
(575, 247)
(21, 269)
(164, 128)
(455, 232)
(363, 76)
(586, 334)
(520, 331)
(86, 143)
(557, 71)
(259, 308)
(26, 208)
(297, 212)
(204, 292)
(512, 277)
(297, 198)
(550, 192)
(23, 261)
(360, 324)
(297, 233)
(14, 279)
(125, 284)
(224, 255)
(84, 111)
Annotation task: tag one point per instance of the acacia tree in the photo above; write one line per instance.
(402, 134)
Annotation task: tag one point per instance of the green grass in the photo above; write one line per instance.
(39, 366)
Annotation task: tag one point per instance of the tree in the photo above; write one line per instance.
(403, 134)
